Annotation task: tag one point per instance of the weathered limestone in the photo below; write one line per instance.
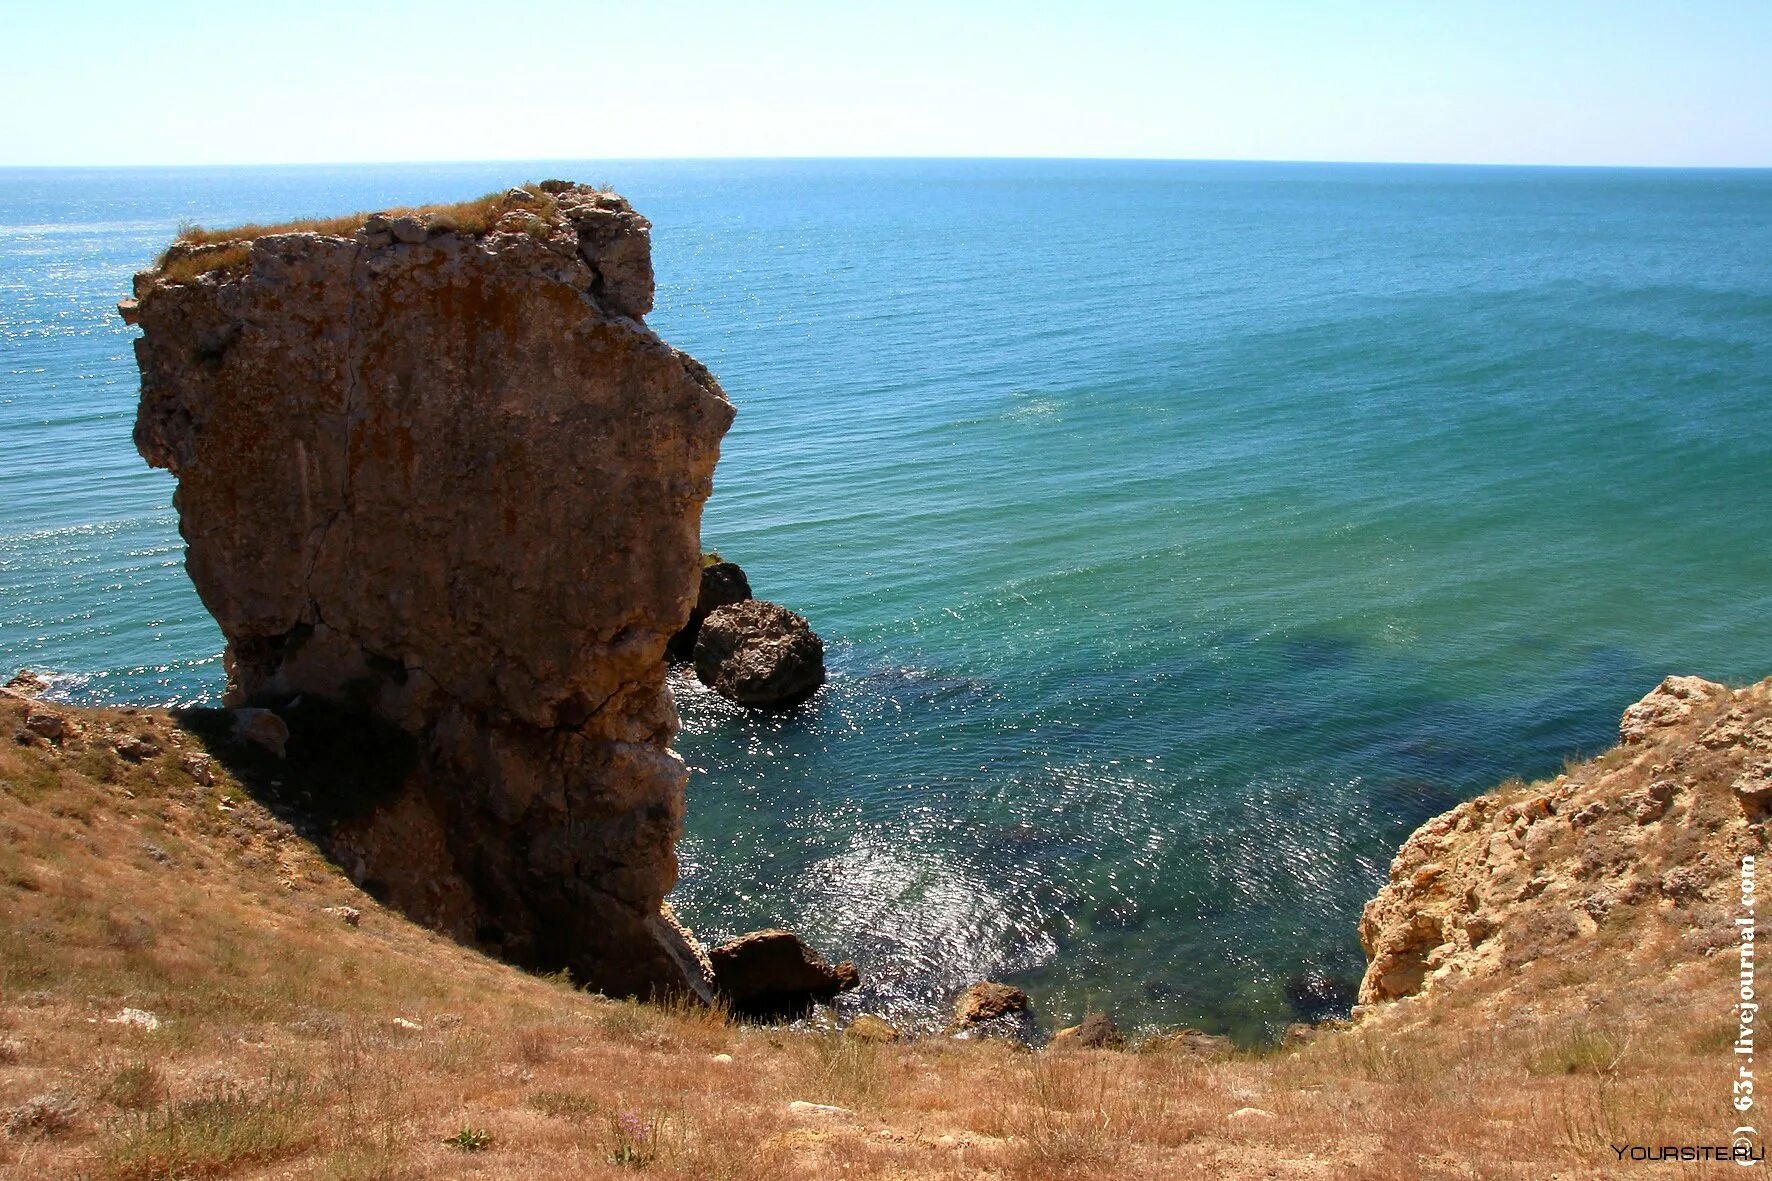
(1640, 848)
(438, 471)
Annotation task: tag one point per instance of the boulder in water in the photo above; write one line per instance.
(759, 654)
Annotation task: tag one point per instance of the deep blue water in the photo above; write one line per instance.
(1182, 534)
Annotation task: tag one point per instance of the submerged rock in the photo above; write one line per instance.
(722, 584)
(772, 973)
(759, 654)
(436, 471)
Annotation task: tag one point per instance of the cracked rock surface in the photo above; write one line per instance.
(450, 479)
(1632, 861)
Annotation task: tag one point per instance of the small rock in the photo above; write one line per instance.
(136, 1018)
(27, 683)
(1251, 1113)
(1589, 814)
(198, 769)
(759, 654)
(156, 853)
(1649, 804)
(801, 1107)
(1194, 1042)
(1480, 926)
(869, 1028)
(1755, 780)
(132, 749)
(410, 230)
(43, 1115)
(261, 728)
(722, 584)
(349, 915)
(1298, 1034)
(44, 724)
(406, 1023)
(986, 1002)
(1096, 1031)
(723, 1059)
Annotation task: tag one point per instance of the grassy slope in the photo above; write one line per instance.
(293, 1045)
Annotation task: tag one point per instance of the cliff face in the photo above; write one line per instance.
(436, 469)
(1625, 870)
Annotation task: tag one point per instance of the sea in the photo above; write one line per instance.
(1181, 534)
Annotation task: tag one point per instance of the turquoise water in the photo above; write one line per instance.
(1182, 534)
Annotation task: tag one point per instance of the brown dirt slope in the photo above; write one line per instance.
(180, 996)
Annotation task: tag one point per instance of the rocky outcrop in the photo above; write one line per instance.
(759, 654)
(1639, 850)
(434, 468)
(722, 584)
(772, 973)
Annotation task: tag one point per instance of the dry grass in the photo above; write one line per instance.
(286, 1046)
(201, 251)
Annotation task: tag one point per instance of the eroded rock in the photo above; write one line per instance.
(1609, 855)
(443, 476)
(759, 654)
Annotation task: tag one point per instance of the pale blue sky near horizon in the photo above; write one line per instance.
(1632, 82)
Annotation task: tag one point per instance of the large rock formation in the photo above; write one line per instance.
(1625, 867)
(433, 467)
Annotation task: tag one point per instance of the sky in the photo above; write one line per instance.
(1635, 82)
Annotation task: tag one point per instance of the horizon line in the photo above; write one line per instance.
(791, 159)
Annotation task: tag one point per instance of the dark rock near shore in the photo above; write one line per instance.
(772, 973)
(1097, 1031)
(722, 584)
(759, 654)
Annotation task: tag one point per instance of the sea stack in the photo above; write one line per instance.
(433, 467)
